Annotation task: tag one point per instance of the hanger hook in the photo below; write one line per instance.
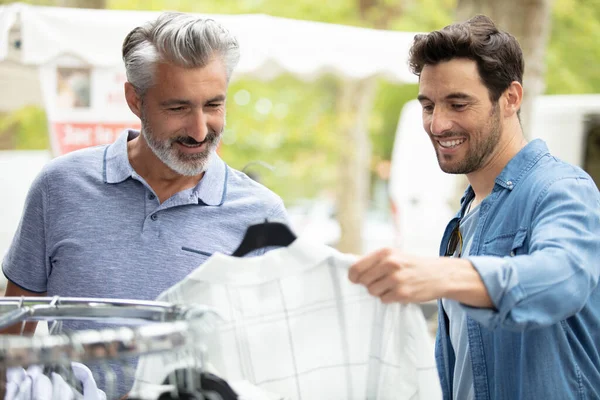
(55, 324)
(54, 300)
(21, 300)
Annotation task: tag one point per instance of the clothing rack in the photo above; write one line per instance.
(165, 328)
(174, 327)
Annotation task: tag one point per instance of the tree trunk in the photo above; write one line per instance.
(355, 102)
(354, 106)
(529, 21)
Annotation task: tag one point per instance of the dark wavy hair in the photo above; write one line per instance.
(497, 53)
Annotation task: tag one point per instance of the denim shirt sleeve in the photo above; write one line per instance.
(562, 267)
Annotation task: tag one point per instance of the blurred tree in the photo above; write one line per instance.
(355, 101)
(573, 52)
(529, 21)
(81, 3)
(63, 3)
(286, 124)
(16, 129)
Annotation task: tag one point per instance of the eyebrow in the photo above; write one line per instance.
(216, 99)
(458, 96)
(175, 102)
(451, 96)
(182, 102)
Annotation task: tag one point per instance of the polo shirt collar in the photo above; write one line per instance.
(211, 190)
(116, 162)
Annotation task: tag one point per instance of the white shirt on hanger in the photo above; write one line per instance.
(295, 325)
(32, 384)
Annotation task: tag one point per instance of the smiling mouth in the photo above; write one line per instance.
(450, 144)
(190, 143)
(191, 146)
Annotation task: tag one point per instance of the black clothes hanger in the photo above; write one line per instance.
(265, 234)
(205, 384)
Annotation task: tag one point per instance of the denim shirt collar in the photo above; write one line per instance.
(514, 171)
(521, 163)
(211, 190)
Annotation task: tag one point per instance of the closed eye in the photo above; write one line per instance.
(458, 107)
(428, 109)
(176, 109)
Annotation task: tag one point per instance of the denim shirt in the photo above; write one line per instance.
(537, 249)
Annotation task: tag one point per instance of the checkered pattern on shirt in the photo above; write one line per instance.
(313, 336)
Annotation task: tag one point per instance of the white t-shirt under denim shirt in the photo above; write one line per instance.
(462, 388)
(294, 325)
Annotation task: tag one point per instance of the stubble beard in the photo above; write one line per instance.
(476, 156)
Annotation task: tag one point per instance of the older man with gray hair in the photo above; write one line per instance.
(130, 219)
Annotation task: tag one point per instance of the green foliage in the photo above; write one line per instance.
(291, 124)
(573, 52)
(287, 124)
(38, 2)
(336, 11)
(25, 129)
(384, 120)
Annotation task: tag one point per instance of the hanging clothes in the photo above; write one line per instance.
(295, 325)
(33, 384)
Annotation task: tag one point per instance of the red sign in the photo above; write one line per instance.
(70, 136)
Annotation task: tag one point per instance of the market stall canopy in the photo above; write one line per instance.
(33, 35)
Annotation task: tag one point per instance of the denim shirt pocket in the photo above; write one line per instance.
(509, 244)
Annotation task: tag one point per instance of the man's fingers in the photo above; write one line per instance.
(366, 263)
(381, 286)
(390, 297)
(377, 272)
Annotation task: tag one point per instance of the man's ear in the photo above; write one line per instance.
(513, 97)
(134, 101)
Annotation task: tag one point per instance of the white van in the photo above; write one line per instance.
(424, 198)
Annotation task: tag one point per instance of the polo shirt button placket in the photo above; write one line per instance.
(154, 217)
(151, 196)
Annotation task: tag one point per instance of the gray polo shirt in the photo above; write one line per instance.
(92, 227)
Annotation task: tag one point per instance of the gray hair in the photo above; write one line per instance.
(181, 39)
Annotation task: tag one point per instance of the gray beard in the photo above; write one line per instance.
(181, 163)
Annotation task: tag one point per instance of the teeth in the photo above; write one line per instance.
(191, 145)
(450, 143)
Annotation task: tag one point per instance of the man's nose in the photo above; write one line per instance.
(440, 122)
(198, 128)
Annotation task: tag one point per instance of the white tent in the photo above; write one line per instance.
(31, 36)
